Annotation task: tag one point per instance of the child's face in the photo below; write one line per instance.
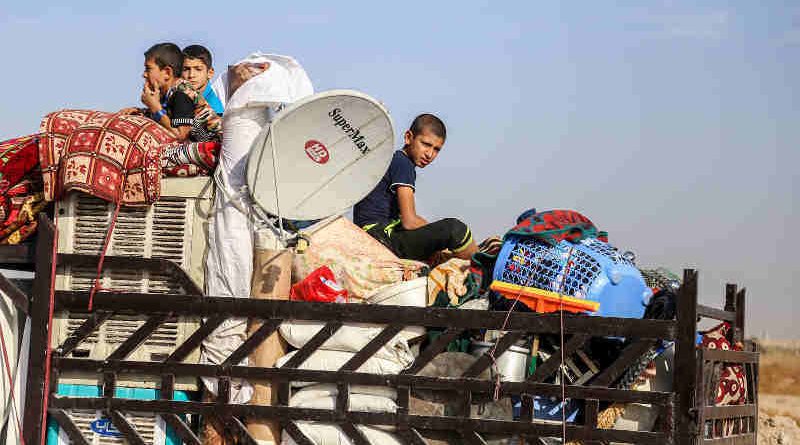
(197, 73)
(422, 148)
(158, 78)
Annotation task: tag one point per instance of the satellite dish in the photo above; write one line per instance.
(331, 148)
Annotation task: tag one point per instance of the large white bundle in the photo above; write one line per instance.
(329, 389)
(328, 434)
(322, 360)
(349, 338)
(358, 402)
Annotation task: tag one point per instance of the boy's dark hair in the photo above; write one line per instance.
(428, 122)
(166, 54)
(198, 52)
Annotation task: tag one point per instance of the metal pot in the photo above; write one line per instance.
(512, 365)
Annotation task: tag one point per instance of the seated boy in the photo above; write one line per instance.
(173, 109)
(388, 213)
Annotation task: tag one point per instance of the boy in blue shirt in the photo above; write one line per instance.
(199, 71)
(389, 214)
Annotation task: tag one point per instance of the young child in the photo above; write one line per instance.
(389, 214)
(173, 109)
(198, 70)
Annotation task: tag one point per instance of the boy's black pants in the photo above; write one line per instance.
(420, 244)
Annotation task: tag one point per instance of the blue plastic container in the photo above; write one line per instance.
(101, 426)
(597, 272)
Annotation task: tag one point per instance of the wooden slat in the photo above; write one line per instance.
(197, 337)
(313, 344)
(716, 314)
(472, 438)
(388, 333)
(253, 341)
(128, 431)
(730, 411)
(68, 426)
(86, 329)
(549, 366)
(241, 432)
(628, 357)
(741, 309)
(719, 355)
(432, 351)
(684, 377)
(355, 435)
(138, 337)
(484, 361)
(33, 430)
(412, 437)
(297, 435)
(181, 429)
(208, 306)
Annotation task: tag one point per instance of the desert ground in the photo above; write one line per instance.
(779, 393)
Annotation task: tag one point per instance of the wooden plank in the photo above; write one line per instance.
(485, 361)
(138, 337)
(730, 411)
(23, 254)
(240, 432)
(68, 426)
(549, 366)
(313, 344)
(33, 428)
(86, 329)
(354, 434)
(126, 428)
(628, 357)
(297, 435)
(243, 351)
(716, 314)
(181, 429)
(357, 313)
(197, 337)
(719, 355)
(156, 265)
(167, 387)
(412, 436)
(388, 333)
(591, 412)
(355, 378)
(472, 438)
(342, 398)
(432, 351)
(684, 377)
(741, 309)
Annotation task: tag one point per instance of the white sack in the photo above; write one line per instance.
(322, 360)
(329, 389)
(349, 338)
(328, 434)
(358, 402)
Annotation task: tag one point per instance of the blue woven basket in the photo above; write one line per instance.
(597, 272)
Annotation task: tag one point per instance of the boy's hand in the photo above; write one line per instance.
(129, 111)
(151, 98)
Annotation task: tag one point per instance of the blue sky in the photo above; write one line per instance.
(670, 124)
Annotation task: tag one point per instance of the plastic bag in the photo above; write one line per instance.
(319, 285)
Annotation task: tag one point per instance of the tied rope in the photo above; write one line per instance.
(497, 383)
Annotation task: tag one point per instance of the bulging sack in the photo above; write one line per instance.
(322, 360)
(329, 434)
(349, 338)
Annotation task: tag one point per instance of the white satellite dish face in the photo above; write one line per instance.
(331, 148)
